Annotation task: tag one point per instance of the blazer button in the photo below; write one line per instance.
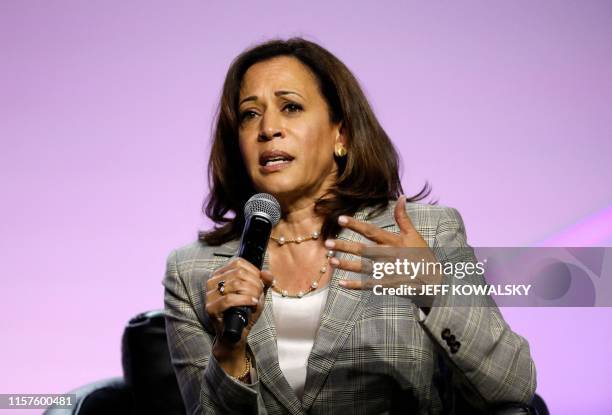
(454, 347)
(446, 333)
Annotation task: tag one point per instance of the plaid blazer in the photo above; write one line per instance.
(372, 354)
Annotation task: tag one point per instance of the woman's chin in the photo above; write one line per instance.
(277, 186)
(281, 191)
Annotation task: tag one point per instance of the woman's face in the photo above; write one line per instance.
(286, 137)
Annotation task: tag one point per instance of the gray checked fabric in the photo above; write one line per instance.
(371, 355)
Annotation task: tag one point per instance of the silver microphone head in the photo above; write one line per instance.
(263, 204)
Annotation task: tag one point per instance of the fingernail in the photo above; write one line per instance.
(255, 300)
(342, 220)
(329, 243)
(334, 261)
(342, 283)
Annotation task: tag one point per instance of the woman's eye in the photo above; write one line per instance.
(247, 115)
(292, 107)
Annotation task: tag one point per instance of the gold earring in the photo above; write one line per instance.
(340, 150)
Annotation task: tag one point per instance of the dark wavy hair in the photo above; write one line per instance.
(368, 176)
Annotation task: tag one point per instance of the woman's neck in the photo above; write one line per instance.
(298, 220)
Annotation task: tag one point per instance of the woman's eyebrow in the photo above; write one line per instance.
(277, 93)
(283, 92)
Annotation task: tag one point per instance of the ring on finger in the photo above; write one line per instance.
(221, 287)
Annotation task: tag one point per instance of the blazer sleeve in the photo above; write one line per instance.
(204, 385)
(492, 361)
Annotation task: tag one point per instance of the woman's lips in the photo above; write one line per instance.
(276, 166)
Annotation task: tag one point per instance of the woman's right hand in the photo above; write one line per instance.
(244, 285)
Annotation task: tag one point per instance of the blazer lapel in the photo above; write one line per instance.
(342, 310)
(262, 342)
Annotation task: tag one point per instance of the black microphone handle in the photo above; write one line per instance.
(253, 244)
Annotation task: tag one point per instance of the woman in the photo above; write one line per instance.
(293, 122)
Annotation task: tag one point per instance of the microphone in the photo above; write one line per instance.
(261, 212)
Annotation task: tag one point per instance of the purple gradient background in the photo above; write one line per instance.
(105, 113)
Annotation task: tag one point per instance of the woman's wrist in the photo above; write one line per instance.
(233, 359)
(244, 376)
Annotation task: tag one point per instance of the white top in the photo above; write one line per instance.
(297, 321)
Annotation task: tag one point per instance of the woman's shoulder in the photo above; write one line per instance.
(199, 250)
(435, 222)
(421, 214)
(439, 212)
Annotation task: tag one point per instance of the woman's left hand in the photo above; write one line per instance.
(408, 237)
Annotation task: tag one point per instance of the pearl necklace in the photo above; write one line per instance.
(281, 240)
(313, 285)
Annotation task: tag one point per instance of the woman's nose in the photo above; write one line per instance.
(270, 127)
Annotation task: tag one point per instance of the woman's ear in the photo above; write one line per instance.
(340, 134)
(340, 143)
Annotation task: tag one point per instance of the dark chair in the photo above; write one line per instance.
(149, 386)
